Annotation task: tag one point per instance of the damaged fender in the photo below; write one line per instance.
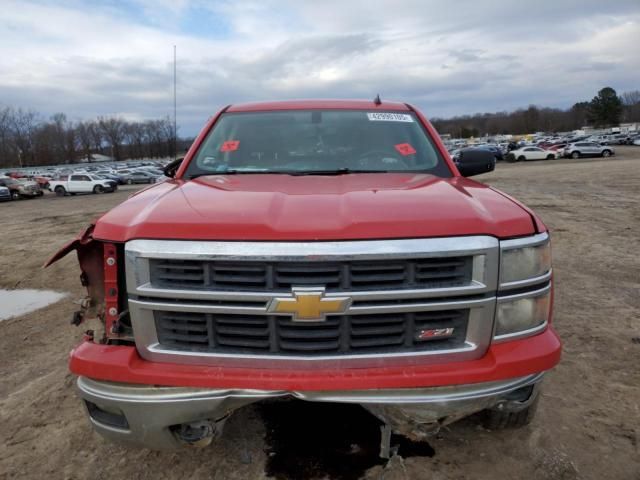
(90, 254)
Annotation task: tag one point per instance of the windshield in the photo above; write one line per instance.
(313, 141)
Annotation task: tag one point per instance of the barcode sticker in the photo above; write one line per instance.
(389, 117)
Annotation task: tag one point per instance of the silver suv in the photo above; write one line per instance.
(588, 149)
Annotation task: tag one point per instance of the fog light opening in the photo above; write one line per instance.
(110, 418)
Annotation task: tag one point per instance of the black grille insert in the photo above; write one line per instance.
(344, 334)
(334, 276)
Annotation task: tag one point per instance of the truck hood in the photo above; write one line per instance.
(283, 207)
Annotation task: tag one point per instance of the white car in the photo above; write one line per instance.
(531, 153)
(81, 183)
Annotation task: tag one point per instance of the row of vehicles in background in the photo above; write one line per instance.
(566, 150)
(86, 179)
(17, 188)
(552, 147)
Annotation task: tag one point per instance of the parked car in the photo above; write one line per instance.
(21, 188)
(139, 177)
(371, 272)
(557, 149)
(114, 183)
(41, 180)
(530, 153)
(495, 149)
(5, 194)
(588, 149)
(621, 139)
(600, 139)
(112, 176)
(80, 183)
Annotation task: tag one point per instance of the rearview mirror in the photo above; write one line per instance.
(172, 167)
(474, 161)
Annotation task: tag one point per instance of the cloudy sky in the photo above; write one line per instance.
(89, 58)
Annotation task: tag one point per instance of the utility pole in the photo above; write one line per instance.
(175, 109)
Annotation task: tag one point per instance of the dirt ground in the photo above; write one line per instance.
(588, 424)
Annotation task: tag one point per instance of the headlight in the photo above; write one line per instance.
(524, 261)
(525, 267)
(523, 314)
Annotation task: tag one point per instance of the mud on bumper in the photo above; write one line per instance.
(155, 417)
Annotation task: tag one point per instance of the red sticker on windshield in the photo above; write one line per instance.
(230, 146)
(405, 149)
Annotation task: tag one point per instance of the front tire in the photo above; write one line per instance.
(15, 195)
(522, 158)
(500, 419)
(59, 191)
(575, 155)
(550, 157)
(98, 189)
(129, 182)
(606, 153)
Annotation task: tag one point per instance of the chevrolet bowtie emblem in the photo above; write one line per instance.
(309, 304)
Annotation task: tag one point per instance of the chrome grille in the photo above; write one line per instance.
(208, 302)
(344, 334)
(282, 276)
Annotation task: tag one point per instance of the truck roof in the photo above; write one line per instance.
(318, 105)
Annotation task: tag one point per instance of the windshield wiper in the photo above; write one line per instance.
(337, 171)
(295, 173)
(233, 172)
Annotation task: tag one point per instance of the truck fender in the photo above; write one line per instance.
(83, 238)
(90, 258)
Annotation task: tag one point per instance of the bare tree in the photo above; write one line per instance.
(96, 134)
(631, 98)
(113, 129)
(27, 140)
(631, 105)
(66, 140)
(85, 133)
(7, 149)
(23, 125)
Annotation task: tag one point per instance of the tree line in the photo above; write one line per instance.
(606, 109)
(26, 139)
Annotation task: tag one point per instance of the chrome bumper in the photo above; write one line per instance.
(143, 416)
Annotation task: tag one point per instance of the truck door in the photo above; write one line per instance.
(79, 184)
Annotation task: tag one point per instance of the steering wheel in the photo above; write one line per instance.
(384, 159)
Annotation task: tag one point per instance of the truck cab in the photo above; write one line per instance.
(81, 183)
(329, 251)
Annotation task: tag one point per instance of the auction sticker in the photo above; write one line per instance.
(389, 117)
(230, 146)
(405, 149)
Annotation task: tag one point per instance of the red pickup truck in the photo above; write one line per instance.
(329, 251)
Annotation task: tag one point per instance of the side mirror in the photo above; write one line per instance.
(172, 167)
(475, 161)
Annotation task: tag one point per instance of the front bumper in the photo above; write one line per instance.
(149, 416)
(142, 403)
(515, 358)
(30, 193)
